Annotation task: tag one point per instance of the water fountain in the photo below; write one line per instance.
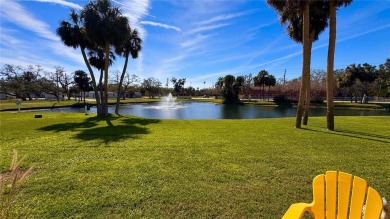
(169, 99)
(167, 102)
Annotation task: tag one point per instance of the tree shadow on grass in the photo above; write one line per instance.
(108, 129)
(354, 134)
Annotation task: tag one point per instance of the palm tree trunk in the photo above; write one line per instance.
(98, 103)
(330, 66)
(308, 88)
(120, 84)
(305, 67)
(101, 85)
(269, 89)
(105, 104)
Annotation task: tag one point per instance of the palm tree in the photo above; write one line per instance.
(288, 8)
(106, 26)
(261, 79)
(307, 19)
(271, 81)
(74, 35)
(333, 5)
(132, 46)
(82, 81)
(319, 10)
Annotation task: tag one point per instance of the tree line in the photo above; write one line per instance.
(356, 81)
(353, 82)
(230, 87)
(32, 82)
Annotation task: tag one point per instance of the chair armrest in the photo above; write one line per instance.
(297, 211)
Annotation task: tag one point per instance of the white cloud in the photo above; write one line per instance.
(166, 26)
(194, 41)
(207, 28)
(8, 40)
(135, 10)
(365, 33)
(224, 17)
(15, 13)
(64, 3)
(47, 44)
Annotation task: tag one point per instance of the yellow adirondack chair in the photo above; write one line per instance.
(337, 195)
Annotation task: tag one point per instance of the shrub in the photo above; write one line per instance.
(280, 98)
(317, 100)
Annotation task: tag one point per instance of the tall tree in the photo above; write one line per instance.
(384, 78)
(178, 84)
(131, 46)
(61, 79)
(152, 86)
(64, 80)
(319, 14)
(73, 34)
(271, 81)
(106, 26)
(293, 13)
(230, 88)
(23, 83)
(319, 11)
(288, 7)
(82, 81)
(333, 5)
(127, 81)
(260, 81)
(246, 88)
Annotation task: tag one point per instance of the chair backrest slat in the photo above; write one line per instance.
(319, 196)
(358, 195)
(373, 204)
(344, 194)
(331, 194)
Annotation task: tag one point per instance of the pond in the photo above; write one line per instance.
(199, 110)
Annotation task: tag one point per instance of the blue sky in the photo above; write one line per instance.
(200, 40)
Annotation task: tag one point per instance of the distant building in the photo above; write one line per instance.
(137, 95)
(91, 94)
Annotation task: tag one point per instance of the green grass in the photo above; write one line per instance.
(130, 167)
(9, 105)
(363, 105)
(34, 104)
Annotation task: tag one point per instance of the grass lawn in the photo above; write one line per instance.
(40, 104)
(130, 167)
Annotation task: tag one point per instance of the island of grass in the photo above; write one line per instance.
(131, 167)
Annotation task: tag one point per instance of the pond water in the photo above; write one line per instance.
(198, 110)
